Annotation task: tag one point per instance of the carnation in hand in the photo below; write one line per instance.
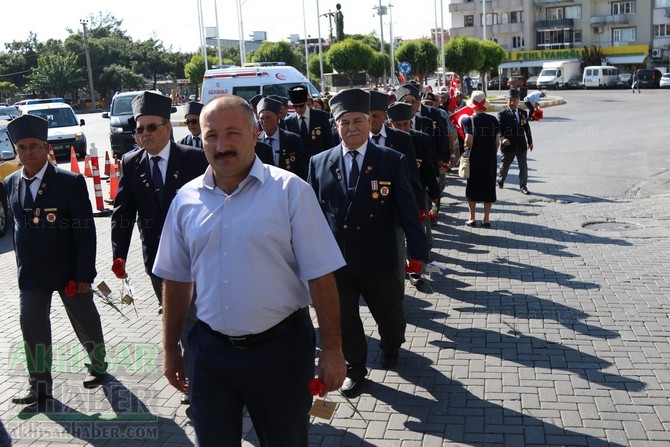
(71, 288)
(119, 268)
(414, 266)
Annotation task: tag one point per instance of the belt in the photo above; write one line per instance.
(255, 340)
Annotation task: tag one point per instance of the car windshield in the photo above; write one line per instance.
(122, 105)
(56, 117)
(548, 73)
(9, 111)
(6, 147)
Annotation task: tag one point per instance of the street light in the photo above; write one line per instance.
(381, 11)
(84, 22)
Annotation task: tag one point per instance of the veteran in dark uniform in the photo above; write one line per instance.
(192, 120)
(55, 246)
(286, 149)
(312, 125)
(364, 189)
(150, 178)
(515, 140)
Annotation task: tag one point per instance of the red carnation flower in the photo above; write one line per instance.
(71, 288)
(414, 266)
(316, 388)
(119, 268)
(432, 214)
(422, 215)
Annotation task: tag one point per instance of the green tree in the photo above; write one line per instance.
(349, 57)
(592, 55)
(421, 54)
(194, 69)
(8, 90)
(379, 65)
(117, 78)
(463, 55)
(494, 54)
(56, 75)
(315, 67)
(277, 52)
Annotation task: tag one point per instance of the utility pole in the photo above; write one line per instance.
(304, 27)
(318, 23)
(330, 23)
(243, 49)
(381, 11)
(393, 78)
(84, 22)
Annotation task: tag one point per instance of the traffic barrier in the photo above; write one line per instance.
(113, 181)
(107, 171)
(52, 156)
(87, 167)
(74, 164)
(97, 187)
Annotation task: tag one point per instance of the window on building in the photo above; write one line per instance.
(516, 17)
(577, 36)
(662, 30)
(623, 8)
(518, 42)
(573, 12)
(554, 13)
(662, 4)
(624, 35)
(469, 20)
(504, 18)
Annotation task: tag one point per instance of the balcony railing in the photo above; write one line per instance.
(557, 23)
(461, 7)
(614, 19)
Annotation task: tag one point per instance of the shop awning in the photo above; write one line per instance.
(621, 60)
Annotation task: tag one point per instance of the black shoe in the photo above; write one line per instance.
(30, 397)
(352, 388)
(416, 280)
(160, 310)
(184, 399)
(389, 359)
(500, 184)
(94, 379)
(524, 190)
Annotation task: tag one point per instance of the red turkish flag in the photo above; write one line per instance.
(457, 116)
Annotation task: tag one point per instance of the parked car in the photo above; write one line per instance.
(665, 81)
(574, 82)
(493, 83)
(8, 113)
(9, 163)
(531, 82)
(649, 77)
(624, 81)
(519, 80)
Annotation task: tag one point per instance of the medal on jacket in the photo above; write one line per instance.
(339, 175)
(374, 185)
(36, 216)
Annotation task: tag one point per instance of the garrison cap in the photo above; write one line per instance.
(399, 111)
(350, 100)
(193, 108)
(28, 126)
(378, 100)
(407, 89)
(298, 94)
(282, 99)
(268, 104)
(255, 100)
(150, 103)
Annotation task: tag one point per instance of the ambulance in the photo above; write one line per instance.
(266, 78)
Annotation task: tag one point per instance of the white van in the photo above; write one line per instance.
(64, 129)
(248, 82)
(600, 76)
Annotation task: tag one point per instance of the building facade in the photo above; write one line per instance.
(631, 33)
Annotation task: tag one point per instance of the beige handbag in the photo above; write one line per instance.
(464, 161)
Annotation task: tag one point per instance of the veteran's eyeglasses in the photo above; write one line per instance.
(151, 128)
(191, 122)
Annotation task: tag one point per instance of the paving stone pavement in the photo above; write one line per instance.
(549, 329)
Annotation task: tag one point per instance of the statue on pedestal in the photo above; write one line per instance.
(339, 23)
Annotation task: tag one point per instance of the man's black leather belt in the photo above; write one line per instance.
(254, 340)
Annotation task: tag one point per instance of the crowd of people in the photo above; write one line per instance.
(254, 216)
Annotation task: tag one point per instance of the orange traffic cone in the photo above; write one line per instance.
(113, 181)
(52, 156)
(107, 163)
(87, 167)
(74, 164)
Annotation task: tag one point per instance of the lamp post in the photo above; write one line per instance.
(304, 30)
(243, 50)
(84, 22)
(203, 38)
(318, 24)
(393, 78)
(381, 11)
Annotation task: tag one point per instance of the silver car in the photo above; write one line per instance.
(665, 81)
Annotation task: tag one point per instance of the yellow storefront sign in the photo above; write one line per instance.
(574, 53)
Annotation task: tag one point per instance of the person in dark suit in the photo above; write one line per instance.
(364, 189)
(286, 149)
(192, 120)
(150, 178)
(283, 110)
(55, 245)
(312, 125)
(516, 140)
